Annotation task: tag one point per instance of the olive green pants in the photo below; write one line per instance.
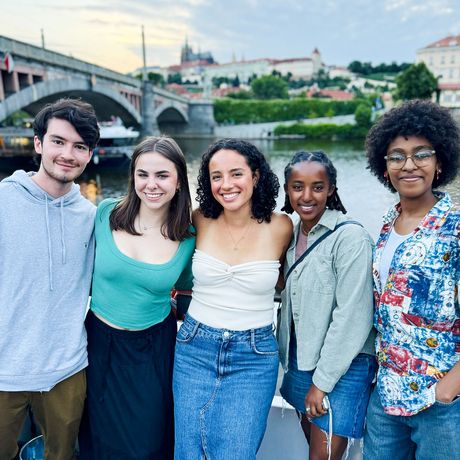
(57, 413)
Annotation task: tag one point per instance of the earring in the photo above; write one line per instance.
(385, 175)
(438, 172)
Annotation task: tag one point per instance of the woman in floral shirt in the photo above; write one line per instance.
(414, 411)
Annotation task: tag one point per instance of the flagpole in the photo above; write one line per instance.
(144, 69)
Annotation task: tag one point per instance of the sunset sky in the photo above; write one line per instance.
(108, 32)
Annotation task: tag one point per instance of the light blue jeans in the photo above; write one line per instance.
(223, 385)
(432, 434)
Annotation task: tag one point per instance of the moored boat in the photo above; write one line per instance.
(116, 144)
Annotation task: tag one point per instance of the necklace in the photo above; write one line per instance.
(245, 232)
(145, 227)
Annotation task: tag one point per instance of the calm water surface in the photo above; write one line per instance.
(362, 194)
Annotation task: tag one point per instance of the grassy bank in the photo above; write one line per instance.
(323, 131)
(231, 111)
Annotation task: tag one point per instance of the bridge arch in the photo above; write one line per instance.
(106, 101)
(170, 112)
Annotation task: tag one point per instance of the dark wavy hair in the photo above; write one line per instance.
(177, 224)
(333, 201)
(79, 114)
(263, 201)
(416, 118)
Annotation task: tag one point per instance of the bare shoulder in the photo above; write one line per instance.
(281, 229)
(198, 218)
(200, 222)
(283, 223)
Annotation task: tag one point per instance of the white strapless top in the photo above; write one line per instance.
(236, 297)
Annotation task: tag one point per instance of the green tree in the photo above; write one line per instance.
(269, 87)
(363, 114)
(175, 78)
(416, 82)
(156, 78)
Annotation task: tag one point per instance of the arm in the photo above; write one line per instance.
(352, 316)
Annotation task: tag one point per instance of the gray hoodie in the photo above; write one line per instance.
(46, 263)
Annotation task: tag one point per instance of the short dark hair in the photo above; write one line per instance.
(79, 114)
(333, 201)
(416, 118)
(263, 201)
(178, 221)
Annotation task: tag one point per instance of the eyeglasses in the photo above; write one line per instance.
(421, 158)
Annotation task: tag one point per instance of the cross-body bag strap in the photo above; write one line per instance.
(313, 246)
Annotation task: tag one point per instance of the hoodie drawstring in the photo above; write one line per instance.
(63, 247)
(62, 232)
(50, 258)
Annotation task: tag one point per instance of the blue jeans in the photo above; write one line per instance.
(432, 434)
(223, 385)
(348, 399)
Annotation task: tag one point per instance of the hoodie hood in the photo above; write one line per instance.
(23, 182)
(25, 185)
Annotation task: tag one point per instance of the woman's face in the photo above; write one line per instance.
(155, 180)
(232, 180)
(308, 188)
(411, 180)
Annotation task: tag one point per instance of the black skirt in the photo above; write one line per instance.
(129, 407)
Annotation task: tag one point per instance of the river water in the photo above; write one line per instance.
(364, 197)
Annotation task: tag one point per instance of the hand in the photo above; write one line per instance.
(443, 393)
(314, 401)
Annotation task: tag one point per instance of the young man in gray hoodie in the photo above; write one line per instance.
(46, 262)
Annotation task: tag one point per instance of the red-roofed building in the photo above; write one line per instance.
(443, 59)
(335, 94)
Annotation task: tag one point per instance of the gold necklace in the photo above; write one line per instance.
(245, 232)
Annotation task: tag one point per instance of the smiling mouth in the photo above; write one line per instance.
(410, 178)
(66, 165)
(153, 196)
(306, 208)
(229, 196)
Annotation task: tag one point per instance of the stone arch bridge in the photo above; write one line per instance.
(39, 76)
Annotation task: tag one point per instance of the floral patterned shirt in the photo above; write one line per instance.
(417, 312)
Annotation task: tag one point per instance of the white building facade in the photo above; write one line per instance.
(443, 59)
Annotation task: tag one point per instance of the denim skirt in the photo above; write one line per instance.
(348, 399)
(223, 383)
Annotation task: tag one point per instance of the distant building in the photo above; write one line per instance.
(443, 59)
(339, 71)
(300, 68)
(334, 94)
(187, 55)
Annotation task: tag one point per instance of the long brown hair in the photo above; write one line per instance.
(178, 221)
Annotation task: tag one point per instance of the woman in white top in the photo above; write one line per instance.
(226, 361)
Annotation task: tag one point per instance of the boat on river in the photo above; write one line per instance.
(116, 144)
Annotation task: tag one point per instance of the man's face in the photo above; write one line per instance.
(63, 151)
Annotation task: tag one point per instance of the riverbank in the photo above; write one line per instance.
(267, 130)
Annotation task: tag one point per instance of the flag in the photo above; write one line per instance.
(9, 62)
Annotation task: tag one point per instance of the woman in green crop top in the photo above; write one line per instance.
(144, 245)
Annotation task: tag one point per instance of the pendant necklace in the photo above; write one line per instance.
(245, 232)
(145, 227)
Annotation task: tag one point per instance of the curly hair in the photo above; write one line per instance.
(416, 118)
(333, 201)
(263, 200)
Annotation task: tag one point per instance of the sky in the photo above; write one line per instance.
(108, 32)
